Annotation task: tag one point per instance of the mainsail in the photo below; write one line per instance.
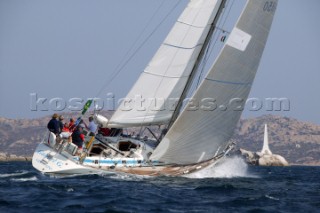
(223, 92)
(153, 97)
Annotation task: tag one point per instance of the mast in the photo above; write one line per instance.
(196, 66)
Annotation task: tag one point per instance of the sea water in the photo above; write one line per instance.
(231, 186)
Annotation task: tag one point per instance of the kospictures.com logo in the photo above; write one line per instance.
(140, 103)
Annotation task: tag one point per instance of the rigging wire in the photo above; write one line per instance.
(138, 38)
(216, 40)
(120, 68)
(224, 22)
(210, 46)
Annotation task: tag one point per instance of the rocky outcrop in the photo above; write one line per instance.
(254, 158)
(272, 160)
(251, 157)
(8, 157)
(298, 142)
(266, 157)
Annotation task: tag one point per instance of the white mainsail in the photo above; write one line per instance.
(198, 135)
(153, 97)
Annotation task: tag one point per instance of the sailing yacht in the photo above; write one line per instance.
(193, 135)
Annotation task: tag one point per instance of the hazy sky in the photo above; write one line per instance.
(70, 48)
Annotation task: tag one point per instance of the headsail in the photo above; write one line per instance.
(210, 127)
(162, 82)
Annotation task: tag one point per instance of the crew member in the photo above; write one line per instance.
(71, 124)
(92, 127)
(53, 124)
(61, 118)
(78, 137)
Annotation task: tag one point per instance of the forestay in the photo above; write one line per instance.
(153, 97)
(199, 134)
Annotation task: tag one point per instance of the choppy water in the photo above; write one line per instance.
(229, 187)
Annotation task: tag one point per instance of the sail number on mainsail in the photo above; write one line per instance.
(270, 6)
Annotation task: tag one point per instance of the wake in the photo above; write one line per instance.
(229, 167)
(13, 174)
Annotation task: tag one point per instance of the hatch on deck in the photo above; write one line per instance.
(97, 149)
(126, 146)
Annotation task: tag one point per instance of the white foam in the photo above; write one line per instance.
(13, 174)
(229, 167)
(127, 177)
(24, 179)
(70, 190)
(271, 198)
(62, 176)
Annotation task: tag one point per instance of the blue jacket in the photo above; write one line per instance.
(76, 138)
(53, 126)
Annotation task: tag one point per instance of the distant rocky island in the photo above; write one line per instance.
(298, 142)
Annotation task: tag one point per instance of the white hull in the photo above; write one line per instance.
(49, 160)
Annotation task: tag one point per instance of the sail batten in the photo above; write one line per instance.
(205, 128)
(166, 76)
(191, 25)
(230, 82)
(181, 47)
(168, 72)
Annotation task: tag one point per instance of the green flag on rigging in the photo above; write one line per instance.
(86, 107)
